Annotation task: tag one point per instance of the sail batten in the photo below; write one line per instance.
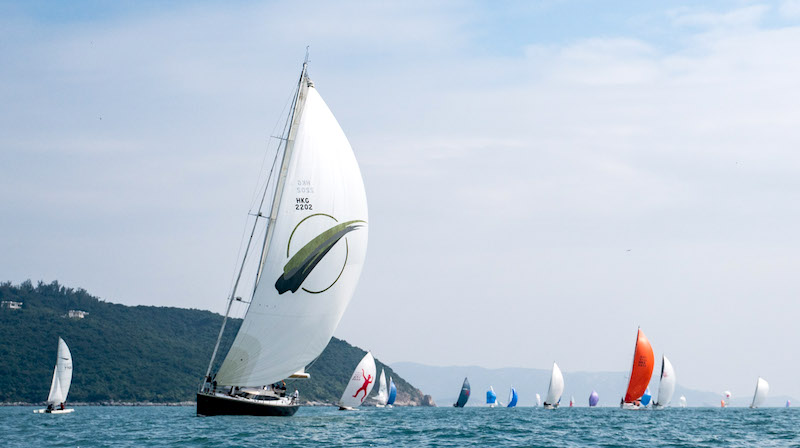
(314, 249)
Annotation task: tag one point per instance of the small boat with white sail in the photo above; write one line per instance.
(641, 371)
(383, 393)
(538, 400)
(682, 401)
(360, 384)
(59, 386)
(555, 389)
(762, 389)
(463, 396)
(666, 387)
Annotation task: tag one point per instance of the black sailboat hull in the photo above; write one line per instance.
(209, 405)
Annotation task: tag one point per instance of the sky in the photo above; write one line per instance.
(543, 177)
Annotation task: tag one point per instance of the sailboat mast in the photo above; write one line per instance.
(299, 101)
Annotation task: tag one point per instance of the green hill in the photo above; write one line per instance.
(136, 354)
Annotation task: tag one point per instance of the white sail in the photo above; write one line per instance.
(383, 392)
(538, 400)
(360, 384)
(62, 375)
(556, 386)
(314, 252)
(762, 389)
(682, 401)
(666, 387)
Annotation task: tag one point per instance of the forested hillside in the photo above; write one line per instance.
(135, 354)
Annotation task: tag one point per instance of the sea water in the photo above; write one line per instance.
(92, 426)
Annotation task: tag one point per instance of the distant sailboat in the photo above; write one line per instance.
(726, 399)
(392, 393)
(682, 401)
(491, 397)
(383, 393)
(666, 388)
(555, 389)
(641, 372)
(572, 401)
(360, 384)
(788, 403)
(62, 379)
(593, 399)
(463, 396)
(762, 389)
(538, 400)
(512, 398)
(646, 397)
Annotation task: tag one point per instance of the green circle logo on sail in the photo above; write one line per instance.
(303, 262)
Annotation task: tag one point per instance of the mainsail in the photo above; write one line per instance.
(512, 398)
(62, 375)
(383, 393)
(762, 389)
(313, 251)
(360, 384)
(641, 370)
(556, 387)
(463, 396)
(667, 385)
(392, 391)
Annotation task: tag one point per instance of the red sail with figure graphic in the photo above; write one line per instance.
(642, 371)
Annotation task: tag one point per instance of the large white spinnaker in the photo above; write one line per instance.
(556, 387)
(762, 389)
(666, 387)
(360, 384)
(313, 256)
(383, 391)
(62, 375)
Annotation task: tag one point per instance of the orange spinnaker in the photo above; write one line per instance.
(642, 371)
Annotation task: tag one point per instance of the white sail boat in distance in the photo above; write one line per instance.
(666, 387)
(309, 263)
(383, 392)
(555, 389)
(762, 389)
(62, 379)
(360, 384)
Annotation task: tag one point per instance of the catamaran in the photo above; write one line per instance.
(594, 399)
(392, 393)
(555, 389)
(360, 384)
(315, 241)
(491, 397)
(383, 394)
(512, 398)
(62, 379)
(641, 371)
(762, 389)
(667, 385)
(463, 396)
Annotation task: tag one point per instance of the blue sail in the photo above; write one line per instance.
(392, 392)
(464, 395)
(645, 400)
(491, 397)
(513, 401)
